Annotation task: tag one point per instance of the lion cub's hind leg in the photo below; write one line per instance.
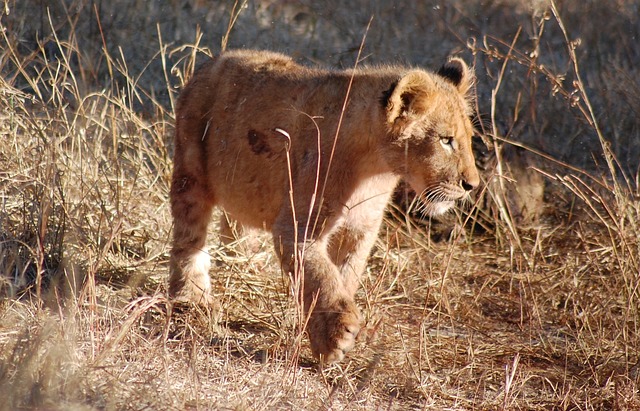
(191, 207)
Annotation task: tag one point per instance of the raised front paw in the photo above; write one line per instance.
(333, 329)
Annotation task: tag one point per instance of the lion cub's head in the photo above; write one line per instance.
(428, 122)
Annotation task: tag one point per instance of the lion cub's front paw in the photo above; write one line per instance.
(333, 330)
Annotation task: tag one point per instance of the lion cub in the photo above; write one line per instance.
(274, 144)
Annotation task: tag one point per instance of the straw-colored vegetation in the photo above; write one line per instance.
(534, 307)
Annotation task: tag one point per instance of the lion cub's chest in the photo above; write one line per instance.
(366, 204)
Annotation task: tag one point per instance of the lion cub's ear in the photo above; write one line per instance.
(409, 95)
(457, 73)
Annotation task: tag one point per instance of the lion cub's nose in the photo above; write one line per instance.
(470, 183)
(467, 186)
(470, 179)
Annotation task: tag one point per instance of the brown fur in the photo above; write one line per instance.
(255, 134)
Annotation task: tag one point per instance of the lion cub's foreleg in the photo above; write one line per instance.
(327, 295)
(349, 249)
(334, 318)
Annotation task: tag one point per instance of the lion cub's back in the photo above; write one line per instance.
(259, 61)
(247, 70)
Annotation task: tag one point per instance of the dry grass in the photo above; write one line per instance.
(545, 317)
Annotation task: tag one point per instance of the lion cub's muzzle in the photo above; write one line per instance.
(441, 198)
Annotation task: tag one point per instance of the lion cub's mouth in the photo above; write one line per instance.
(441, 198)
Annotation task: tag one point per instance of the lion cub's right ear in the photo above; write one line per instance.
(409, 95)
(456, 72)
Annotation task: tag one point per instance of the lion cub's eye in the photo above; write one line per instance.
(447, 142)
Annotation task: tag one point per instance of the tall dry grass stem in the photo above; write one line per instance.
(237, 8)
